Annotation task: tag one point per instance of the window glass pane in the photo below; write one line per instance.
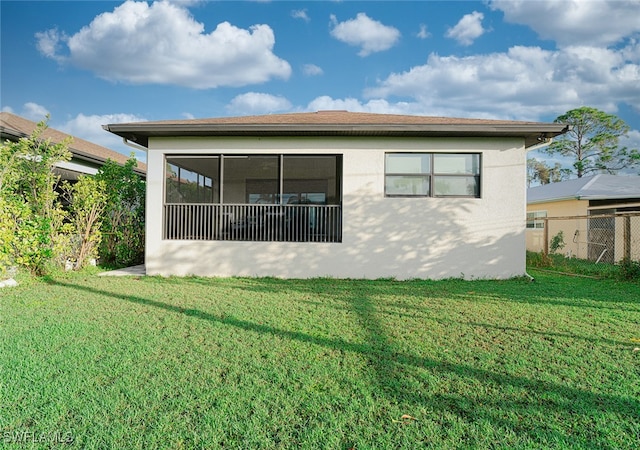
(406, 185)
(456, 186)
(456, 164)
(311, 179)
(250, 179)
(408, 163)
(192, 179)
(532, 216)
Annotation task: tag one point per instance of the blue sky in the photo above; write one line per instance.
(88, 63)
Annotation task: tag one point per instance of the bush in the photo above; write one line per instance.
(87, 201)
(36, 232)
(630, 270)
(538, 259)
(123, 222)
(557, 242)
(29, 209)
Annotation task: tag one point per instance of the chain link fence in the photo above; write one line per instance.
(590, 244)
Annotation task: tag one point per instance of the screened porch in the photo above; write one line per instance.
(284, 198)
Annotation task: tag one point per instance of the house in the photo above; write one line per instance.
(591, 212)
(336, 193)
(86, 157)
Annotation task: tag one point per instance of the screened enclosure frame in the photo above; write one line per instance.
(253, 197)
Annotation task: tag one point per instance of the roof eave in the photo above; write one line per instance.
(141, 132)
(75, 153)
(552, 200)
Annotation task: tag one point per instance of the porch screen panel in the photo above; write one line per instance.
(286, 198)
(310, 184)
(251, 179)
(192, 179)
(311, 180)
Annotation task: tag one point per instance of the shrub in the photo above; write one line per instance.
(28, 201)
(630, 270)
(557, 242)
(538, 259)
(87, 201)
(123, 223)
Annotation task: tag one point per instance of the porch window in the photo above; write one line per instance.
(289, 198)
(432, 175)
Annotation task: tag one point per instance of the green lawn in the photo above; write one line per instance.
(143, 363)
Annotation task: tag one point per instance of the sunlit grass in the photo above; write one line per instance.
(267, 363)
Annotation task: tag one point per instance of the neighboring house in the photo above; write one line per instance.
(597, 238)
(86, 157)
(338, 194)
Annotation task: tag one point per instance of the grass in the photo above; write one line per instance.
(144, 363)
(559, 263)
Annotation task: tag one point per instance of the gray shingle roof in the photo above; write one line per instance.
(597, 187)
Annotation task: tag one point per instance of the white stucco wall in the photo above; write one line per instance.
(382, 237)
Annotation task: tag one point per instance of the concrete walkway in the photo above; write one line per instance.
(127, 271)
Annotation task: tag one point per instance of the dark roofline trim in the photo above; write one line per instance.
(584, 197)
(140, 133)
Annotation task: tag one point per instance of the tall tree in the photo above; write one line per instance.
(541, 172)
(593, 142)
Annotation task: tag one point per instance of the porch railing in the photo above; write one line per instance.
(241, 222)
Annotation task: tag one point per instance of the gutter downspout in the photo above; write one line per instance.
(133, 145)
(544, 143)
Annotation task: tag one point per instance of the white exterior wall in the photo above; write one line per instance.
(381, 237)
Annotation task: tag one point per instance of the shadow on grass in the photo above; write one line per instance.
(542, 397)
(423, 314)
(580, 293)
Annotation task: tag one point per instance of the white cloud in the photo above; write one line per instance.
(632, 140)
(383, 106)
(35, 112)
(468, 29)
(89, 127)
(49, 43)
(575, 22)
(368, 34)
(300, 14)
(423, 33)
(161, 43)
(524, 83)
(257, 103)
(30, 110)
(312, 70)
(186, 2)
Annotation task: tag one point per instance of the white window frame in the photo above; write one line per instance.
(432, 174)
(534, 221)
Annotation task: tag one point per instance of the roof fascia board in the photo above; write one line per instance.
(553, 200)
(141, 132)
(151, 129)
